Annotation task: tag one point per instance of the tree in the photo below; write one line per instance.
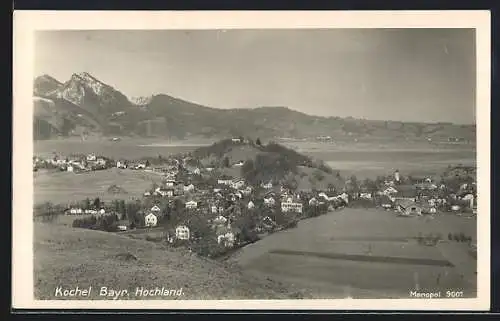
(97, 202)
(225, 162)
(258, 142)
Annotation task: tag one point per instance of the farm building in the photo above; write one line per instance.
(182, 232)
(150, 220)
(409, 208)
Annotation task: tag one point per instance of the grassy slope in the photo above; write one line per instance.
(69, 257)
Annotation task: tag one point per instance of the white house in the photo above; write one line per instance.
(196, 171)
(250, 205)
(69, 168)
(121, 164)
(247, 190)
(237, 183)
(397, 177)
(269, 201)
(91, 157)
(236, 140)
(214, 209)
(227, 239)
(239, 164)
(164, 192)
(121, 228)
(390, 191)
(170, 183)
(268, 185)
(150, 220)
(290, 206)
(76, 211)
(224, 181)
(324, 196)
(470, 199)
(191, 204)
(155, 209)
(220, 220)
(182, 232)
(367, 196)
(313, 202)
(101, 161)
(188, 188)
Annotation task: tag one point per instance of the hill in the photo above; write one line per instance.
(162, 115)
(268, 162)
(68, 257)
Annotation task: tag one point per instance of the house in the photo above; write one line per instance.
(397, 177)
(313, 202)
(150, 220)
(147, 194)
(225, 236)
(470, 199)
(191, 204)
(238, 194)
(220, 220)
(247, 190)
(225, 181)
(91, 157)
(324, 196)
(365, 195)
(69, 168)
(101, 161)
(268, 222)
(390, 191)
(239, 164)
(408, 208)
(250, 205)
(236, 140)
(214, 209)
(269, 201)
(170, 183)
(165, 192)
(121, 228)
(268, 185)
(196, 171)
(385, 202)
(75, 211)
(121, 164)
(182, 232)
(237, 183)
(188, 188)
(291, 206)
(155, 209)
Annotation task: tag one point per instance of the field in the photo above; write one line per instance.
(68, 257)
(63, 187)
(331, 253)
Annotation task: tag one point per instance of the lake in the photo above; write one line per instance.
(361, 161)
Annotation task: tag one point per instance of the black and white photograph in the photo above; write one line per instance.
(177, 161)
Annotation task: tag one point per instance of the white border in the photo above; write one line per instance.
(25, 22)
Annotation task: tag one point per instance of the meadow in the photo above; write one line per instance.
(323, 254)
(64, 187)
(68, 257)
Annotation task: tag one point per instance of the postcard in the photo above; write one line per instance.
(251, 160)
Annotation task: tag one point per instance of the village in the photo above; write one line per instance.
(211, 213)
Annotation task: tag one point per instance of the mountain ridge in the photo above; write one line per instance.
(163, 115)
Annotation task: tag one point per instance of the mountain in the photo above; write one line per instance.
(107, 111)
(45, 84)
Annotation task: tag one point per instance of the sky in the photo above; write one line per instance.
(422, 75)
